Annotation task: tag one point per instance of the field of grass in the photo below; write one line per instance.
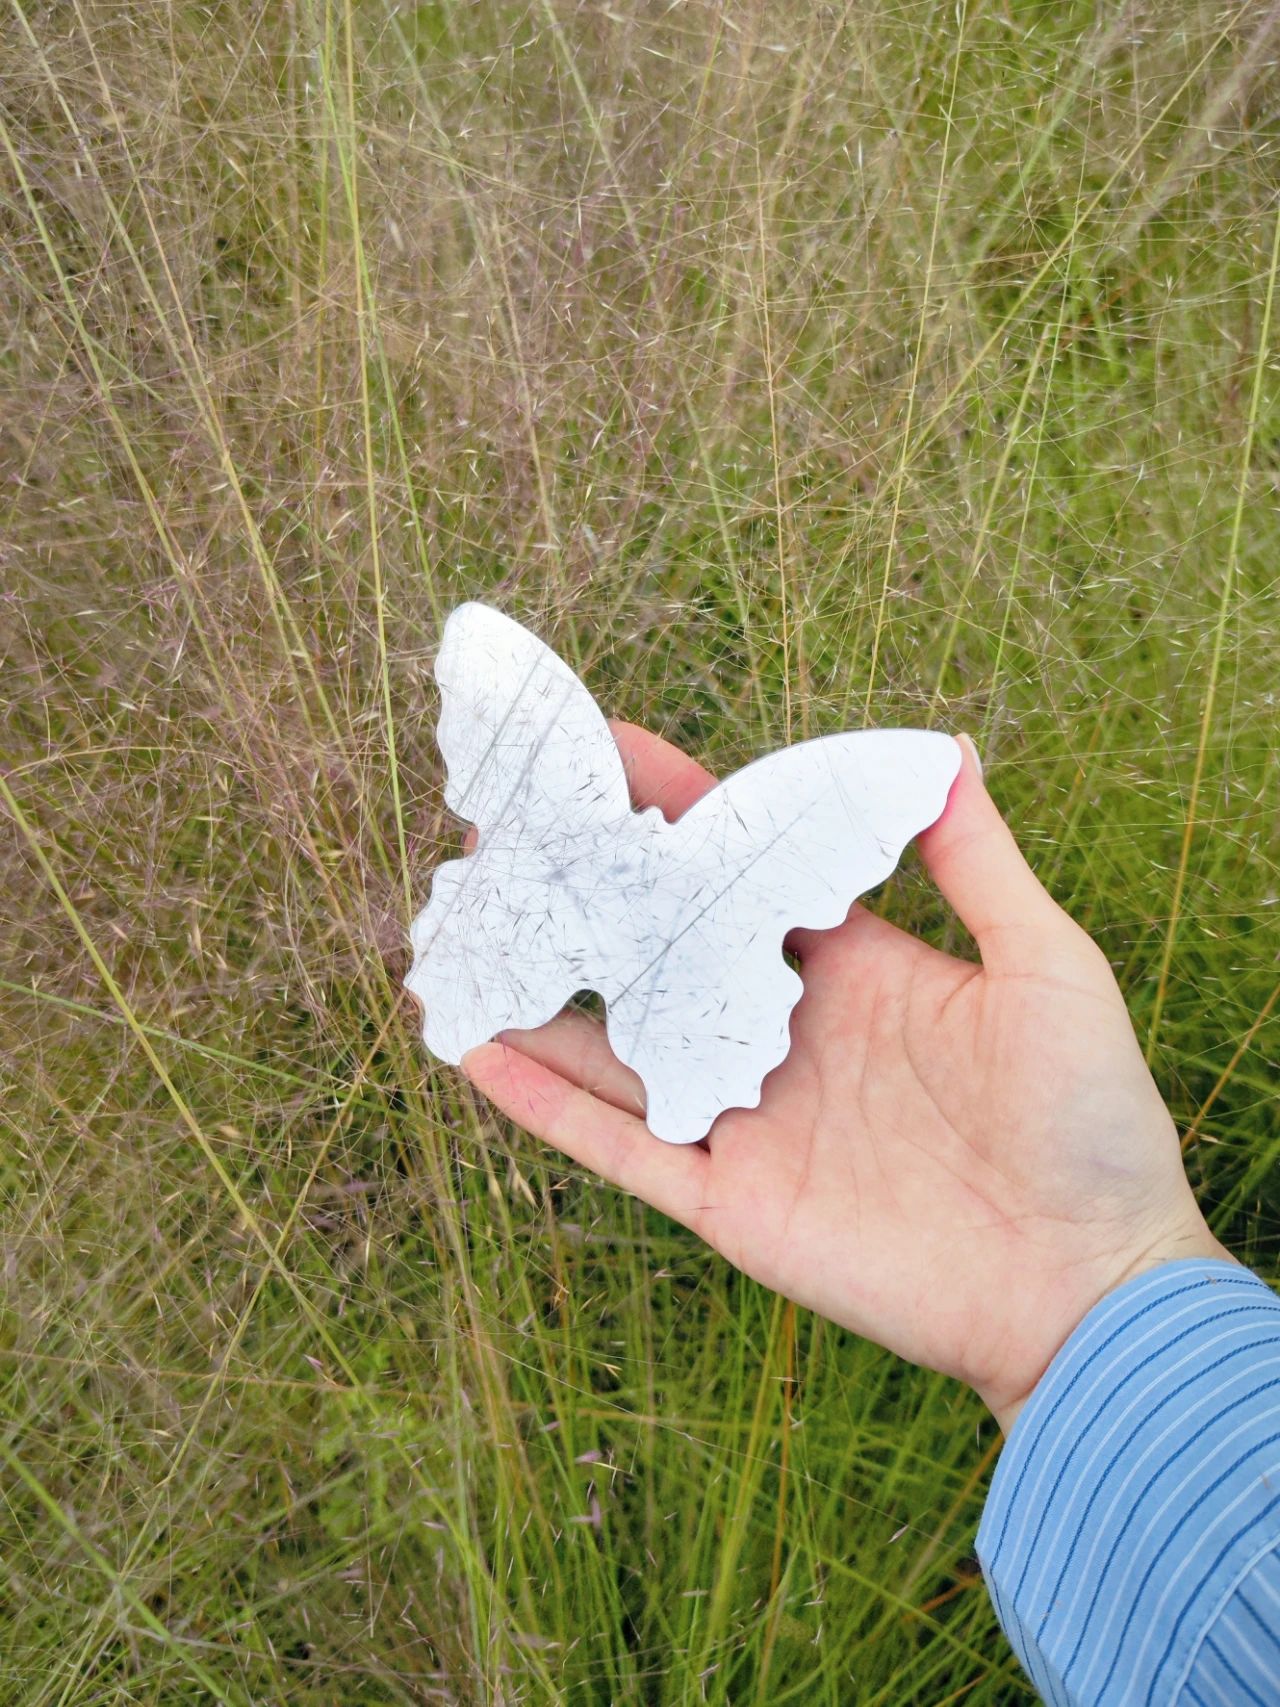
(788, 367)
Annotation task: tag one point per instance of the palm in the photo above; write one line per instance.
(955, 1160)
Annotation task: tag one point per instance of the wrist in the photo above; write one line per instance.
(1194, 1241)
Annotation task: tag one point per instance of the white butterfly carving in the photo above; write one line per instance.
(678, 926)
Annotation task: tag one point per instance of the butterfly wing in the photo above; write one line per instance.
(679, 927)
(507, 934)
(791, 840)
(499, 944)
(524, 742)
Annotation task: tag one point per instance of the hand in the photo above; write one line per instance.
(955, 1160)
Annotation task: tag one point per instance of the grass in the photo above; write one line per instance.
(788, 368)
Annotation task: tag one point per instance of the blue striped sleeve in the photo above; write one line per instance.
(1131, 1537)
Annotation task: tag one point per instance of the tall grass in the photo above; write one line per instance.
(789, 367)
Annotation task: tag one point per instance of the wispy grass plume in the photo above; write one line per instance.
(789, 368)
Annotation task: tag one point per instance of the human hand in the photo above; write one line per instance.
(955, 1160)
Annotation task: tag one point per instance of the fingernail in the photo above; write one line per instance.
(972, 746)
(474, 1050)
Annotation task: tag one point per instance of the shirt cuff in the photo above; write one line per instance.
(1139, 1483)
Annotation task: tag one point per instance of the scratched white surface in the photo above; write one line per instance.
(678, 926)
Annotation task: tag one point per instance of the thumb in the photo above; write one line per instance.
(971, 855)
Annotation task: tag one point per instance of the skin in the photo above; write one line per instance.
(956, 1160)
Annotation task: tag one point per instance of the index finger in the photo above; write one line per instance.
(603, 1137)
(658, 773)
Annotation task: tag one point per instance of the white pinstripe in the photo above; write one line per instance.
(1181, 1424)
(1158, 1330)
(1218, 1520)
(1038, 1507)
(1087, 1480)
(1248, 1572)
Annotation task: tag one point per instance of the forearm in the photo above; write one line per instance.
(1138, 1495)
